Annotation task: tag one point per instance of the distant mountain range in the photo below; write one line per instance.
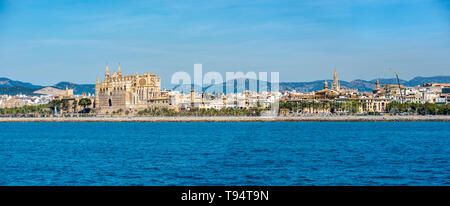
(361, 85)
(5, 82)
(12, 87)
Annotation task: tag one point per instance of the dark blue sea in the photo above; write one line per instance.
(288, 153)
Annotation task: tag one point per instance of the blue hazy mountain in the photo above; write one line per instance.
(77, 88)
(12, 87)
(5, 82)
(15, 90)
(360, 85)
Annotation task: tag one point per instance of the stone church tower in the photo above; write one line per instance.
(335, 86)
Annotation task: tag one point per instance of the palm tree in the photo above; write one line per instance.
(74, 106)
(85, 102)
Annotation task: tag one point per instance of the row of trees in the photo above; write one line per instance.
(65, 107)
(26, 111)
(65, 104)
(45, 110)
(418, 108)
(353, 108)
(202, 112)
(316, 107)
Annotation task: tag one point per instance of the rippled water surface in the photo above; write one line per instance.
(288, 153)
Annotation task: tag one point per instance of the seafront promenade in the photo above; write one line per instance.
(235, 119)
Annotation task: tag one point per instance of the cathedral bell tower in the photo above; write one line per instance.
(335, 86)
(377, 85)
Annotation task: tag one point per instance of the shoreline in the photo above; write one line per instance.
(410, 118)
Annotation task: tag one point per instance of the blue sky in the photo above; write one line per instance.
(45, 42)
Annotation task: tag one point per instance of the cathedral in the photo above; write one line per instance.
(119, 91)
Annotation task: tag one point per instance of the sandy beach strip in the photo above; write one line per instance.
(234, 119)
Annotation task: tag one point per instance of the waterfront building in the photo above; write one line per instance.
(10, 102)
(429, 97)
(65, 94)
(446, 94)
(441, 85)
(413, 98)
(435, 87)
(373, 104)
(160, 102)
(326, 94)
(391, 91)
(119, 91)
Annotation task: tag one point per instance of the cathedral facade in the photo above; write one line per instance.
(119, 91)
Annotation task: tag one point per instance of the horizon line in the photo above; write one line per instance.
(66, 81)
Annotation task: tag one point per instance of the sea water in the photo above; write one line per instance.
(265, 153)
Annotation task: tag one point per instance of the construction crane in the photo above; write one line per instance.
(398, 82)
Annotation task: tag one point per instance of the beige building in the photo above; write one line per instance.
(161, 102)
(10, 102)
(119, 91)
(373, 104)
(67, 94)
(413, 98)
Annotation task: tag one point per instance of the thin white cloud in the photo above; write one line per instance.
(67, 42)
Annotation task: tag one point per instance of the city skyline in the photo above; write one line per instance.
(237, 95)
(47, 42)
